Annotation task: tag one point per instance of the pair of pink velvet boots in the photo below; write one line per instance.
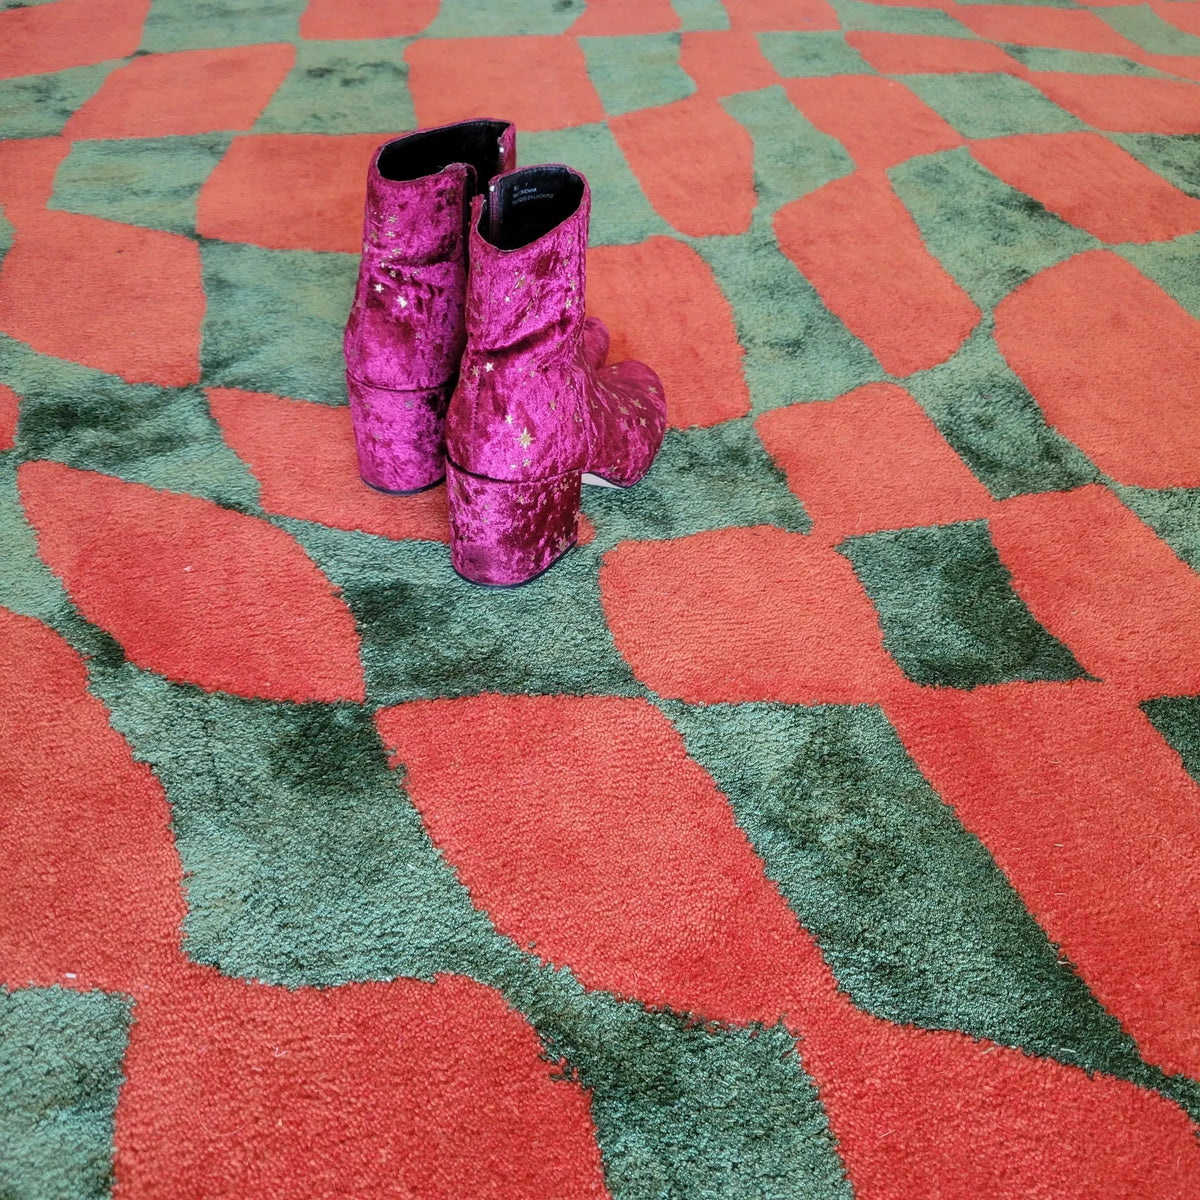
(469, 357)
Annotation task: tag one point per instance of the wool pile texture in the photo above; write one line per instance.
(825, 826)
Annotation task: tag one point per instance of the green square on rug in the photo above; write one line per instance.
(60, 1071)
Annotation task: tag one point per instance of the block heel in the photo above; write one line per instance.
(399, 435)
(503, 533)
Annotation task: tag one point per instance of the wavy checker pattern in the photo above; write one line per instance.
(827, 824)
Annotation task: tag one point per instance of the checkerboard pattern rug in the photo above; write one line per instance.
(825, 826)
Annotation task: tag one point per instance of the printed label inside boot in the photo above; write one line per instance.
(531, 192)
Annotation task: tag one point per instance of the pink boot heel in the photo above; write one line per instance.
(399, 436)
(504, 532)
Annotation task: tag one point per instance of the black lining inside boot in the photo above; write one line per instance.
(529, 203)
(476, 143)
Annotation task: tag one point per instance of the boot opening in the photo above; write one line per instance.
(528, 204)
(476, 143)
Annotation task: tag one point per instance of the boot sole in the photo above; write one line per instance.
(600, 481)
(404, 491)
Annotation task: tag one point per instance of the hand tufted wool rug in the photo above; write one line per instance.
(825, 826)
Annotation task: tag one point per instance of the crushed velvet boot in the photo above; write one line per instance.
(405, 334)
(534, 411)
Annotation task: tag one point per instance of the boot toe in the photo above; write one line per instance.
(640, 417)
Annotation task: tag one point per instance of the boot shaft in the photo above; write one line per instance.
(518, 410)
(419, 188)
(530, 232)
(406, 325)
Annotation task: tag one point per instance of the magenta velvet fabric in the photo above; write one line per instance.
(405, 334)
(533, 408)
